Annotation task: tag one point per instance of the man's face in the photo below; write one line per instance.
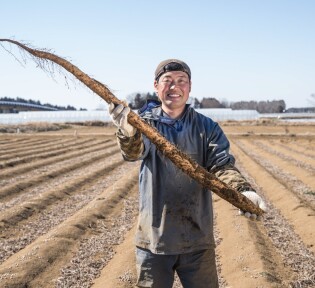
(173, 90)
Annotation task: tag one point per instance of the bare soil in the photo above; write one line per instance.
(69, 205)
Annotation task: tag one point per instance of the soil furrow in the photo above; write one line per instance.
(54, 235)
(297, 212)
(298, 159)
(96, 252)
(121, 276)
(47, 153)
(53, 146)
(53, 250)
(52, 183)
(8, 172)
(300, 182)
(279, 238)
(243, 257)
(20, 141)
(296, 148)
(40, 143)
(15, 214)
(15, 238)
(20, 187)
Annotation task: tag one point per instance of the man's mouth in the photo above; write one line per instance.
(173, 95)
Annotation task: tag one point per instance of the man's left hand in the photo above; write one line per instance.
(257, 200)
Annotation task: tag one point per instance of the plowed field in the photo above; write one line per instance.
(68, 209)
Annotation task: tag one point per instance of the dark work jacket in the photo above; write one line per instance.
(176, 214)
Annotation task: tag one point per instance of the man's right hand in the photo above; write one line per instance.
(119, 115)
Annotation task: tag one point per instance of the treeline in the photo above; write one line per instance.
(275, 106)
(137, 100)
(21, 100)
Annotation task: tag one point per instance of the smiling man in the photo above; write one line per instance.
(173, 87)
(175, 227)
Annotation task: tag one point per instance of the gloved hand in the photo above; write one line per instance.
(257, 200)
(119, 117)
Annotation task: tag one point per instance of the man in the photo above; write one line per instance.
(175, 228)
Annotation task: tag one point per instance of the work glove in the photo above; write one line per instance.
(257, 200)
(119, 115)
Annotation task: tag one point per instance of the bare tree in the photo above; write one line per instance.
(181, 160)
(312, 99)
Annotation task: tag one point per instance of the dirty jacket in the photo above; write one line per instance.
(175, 212)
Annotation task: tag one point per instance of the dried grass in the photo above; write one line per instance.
(33, 127)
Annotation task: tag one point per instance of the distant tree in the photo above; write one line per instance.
(210, 103)
(275, 106)
(225, 103)
(7, 99)
(194, 102)
(18, 99)
(137, 100)
(37, 102)
(312, 99)
(69, 107)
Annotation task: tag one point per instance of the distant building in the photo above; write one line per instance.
(301, 110)
(16, 107)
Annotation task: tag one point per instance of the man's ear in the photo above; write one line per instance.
(190, 86)
(155, 86)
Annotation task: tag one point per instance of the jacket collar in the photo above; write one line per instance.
(152, 110)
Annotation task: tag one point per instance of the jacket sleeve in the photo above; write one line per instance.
(131, 147)
(222, 164)
(231, 176)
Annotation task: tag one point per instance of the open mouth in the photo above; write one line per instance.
(173, 95)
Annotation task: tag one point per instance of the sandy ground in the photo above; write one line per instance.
(68, 216)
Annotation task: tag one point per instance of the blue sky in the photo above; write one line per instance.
(237, 50)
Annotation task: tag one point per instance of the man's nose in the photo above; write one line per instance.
(172, 86)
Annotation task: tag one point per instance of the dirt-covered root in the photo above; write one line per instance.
(27, 268)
